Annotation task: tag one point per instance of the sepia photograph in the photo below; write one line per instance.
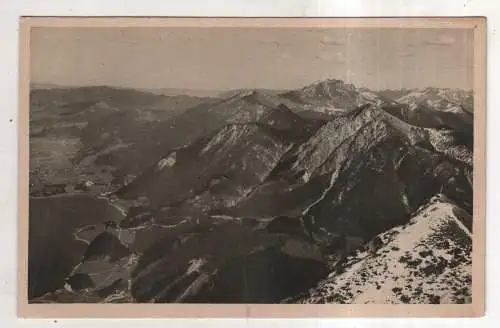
(267, 162)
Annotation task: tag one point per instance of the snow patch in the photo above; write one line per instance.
(68, 287)
(195, 265)
(169, 161)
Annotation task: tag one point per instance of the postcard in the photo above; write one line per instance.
(252, 167)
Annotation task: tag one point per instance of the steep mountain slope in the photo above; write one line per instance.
(426, 260)
(223, 167)
(211, 163)
(296, 127)
(331, 176)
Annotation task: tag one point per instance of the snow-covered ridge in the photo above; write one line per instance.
(440, 99)
(427, 260)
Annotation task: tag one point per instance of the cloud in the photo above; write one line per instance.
(442, 40)
(330, 41)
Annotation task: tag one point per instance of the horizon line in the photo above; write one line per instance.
(146, 89)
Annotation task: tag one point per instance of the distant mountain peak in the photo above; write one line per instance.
(334, 95)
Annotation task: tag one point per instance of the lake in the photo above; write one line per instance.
(53, 251)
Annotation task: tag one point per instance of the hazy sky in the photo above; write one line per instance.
(231, 58)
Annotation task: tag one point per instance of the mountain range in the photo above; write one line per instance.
(328, 193)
